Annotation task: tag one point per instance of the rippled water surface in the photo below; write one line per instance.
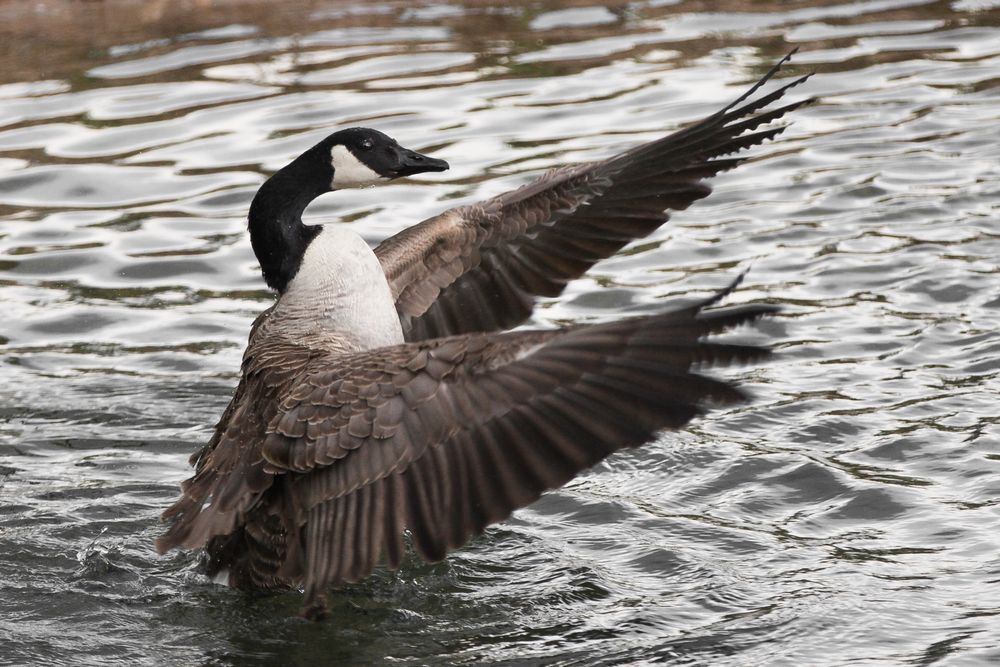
(849, 514)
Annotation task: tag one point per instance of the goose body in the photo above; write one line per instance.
(382, 392)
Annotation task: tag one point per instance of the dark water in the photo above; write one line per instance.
(849, 515)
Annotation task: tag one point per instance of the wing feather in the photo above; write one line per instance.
(515, 415)
(480, 268)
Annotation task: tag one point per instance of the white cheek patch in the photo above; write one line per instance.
(349, 171)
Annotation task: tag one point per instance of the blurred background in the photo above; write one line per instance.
(849, 514)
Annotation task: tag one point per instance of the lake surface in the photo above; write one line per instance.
(849, 514)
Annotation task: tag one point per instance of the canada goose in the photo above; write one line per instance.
(379, 393)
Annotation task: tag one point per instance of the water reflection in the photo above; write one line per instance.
(849, 514)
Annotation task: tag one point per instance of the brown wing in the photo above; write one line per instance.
(448, 436)
(229, 477)
(480, 267)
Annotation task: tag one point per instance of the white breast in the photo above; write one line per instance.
(340, 289)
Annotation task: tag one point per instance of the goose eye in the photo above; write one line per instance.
(366, 144)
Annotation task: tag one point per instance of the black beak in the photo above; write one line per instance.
(412, 162)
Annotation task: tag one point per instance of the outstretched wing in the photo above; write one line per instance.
(479, 268)
(445, 437)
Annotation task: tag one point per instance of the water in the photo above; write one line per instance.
(849, 514)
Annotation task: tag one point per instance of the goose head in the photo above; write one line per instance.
(350, 158)
(361, 156)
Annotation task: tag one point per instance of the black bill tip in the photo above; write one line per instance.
(412, 162)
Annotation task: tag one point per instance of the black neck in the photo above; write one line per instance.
(277, 234)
